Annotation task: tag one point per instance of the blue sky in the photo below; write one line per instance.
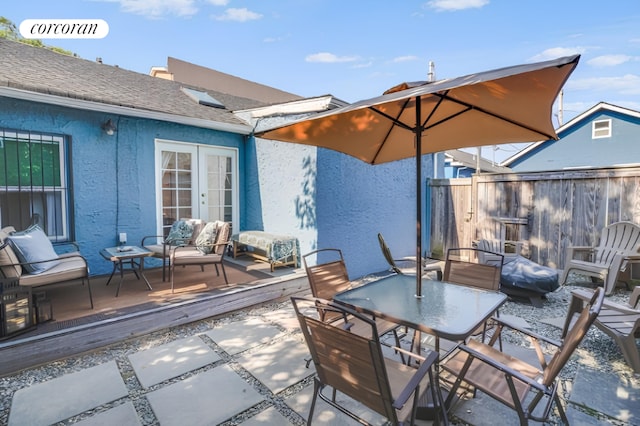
(357, 49)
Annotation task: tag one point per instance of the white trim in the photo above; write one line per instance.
(115, 109)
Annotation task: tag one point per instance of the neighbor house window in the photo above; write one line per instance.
(601, 129)
(33, 182)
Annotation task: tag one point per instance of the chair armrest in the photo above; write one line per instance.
(417, 377)
(498, 366)
(526, 332)
(635, 295)
(586, 295)
(152, 236)
(573, 250)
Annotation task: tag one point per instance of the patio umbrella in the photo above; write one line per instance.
(512, 104)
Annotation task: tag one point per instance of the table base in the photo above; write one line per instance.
(136, 268)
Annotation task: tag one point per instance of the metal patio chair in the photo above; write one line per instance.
(512, 381)
(353, 364)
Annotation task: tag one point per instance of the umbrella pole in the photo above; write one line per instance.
(418, 133)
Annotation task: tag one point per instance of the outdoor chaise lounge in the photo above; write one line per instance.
(31, 257)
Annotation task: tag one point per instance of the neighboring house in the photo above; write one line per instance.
(208, 78)
(459, 164)
(603, 136)
(90, 150)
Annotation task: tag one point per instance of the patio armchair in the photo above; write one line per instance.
(35, 262)
(353, 364)
(428, 265)
(330, 277)
(512, 381)
(183, 231)
(208, 249)
(620, 321)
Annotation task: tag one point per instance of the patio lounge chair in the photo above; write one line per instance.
(353, 364)
(59, 269)
(208, 249)
(183, 231)
(619, 243)
(619, 321)
(511, 380)
(428, 265)
(331, 277)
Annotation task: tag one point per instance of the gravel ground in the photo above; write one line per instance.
(599, 347)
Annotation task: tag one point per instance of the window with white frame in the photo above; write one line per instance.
(33, 182)
(601, 129)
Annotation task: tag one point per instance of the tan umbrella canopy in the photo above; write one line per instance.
(512, 104)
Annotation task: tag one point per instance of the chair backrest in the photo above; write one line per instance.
(222, 237)
(461, 267)
(619, 237)
(348, 362)
(329, 277)
(574, 336)
(387, 254)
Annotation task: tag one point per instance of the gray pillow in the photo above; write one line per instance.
(33, 245)
(180, 233)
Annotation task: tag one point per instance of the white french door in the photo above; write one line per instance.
(195, 181)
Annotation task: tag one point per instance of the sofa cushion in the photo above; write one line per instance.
(33, 245)
(8, 258)
(71, 267)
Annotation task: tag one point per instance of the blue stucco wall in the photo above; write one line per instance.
(357, 200)
(112, 176)
(577, 149)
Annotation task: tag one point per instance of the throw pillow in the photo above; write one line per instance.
(207, 238)
(180, 233)
(33, 245)
(9, 267)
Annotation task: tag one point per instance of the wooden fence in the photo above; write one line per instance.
(548, 211)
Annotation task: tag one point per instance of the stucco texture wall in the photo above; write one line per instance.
(112, 176)
(357, 200)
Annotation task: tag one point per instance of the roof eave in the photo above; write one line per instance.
(116, 109)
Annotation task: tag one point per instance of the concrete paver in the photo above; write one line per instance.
(170, 360)
(242, 335)
(206, 398)
(278, 365)
(67, 396)
(268, 417)
(123, 414)
(616, 398)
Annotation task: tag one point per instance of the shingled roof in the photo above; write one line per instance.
(42, 71)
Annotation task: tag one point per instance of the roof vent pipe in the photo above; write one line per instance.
(431, 77)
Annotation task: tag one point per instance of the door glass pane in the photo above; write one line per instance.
(177, 191)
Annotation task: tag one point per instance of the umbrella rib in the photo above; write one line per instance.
(470, 107)
(394, 122)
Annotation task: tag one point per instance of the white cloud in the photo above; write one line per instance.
(609, 60)
(449, 5)
(628, 84)
(363, 65)
(557, 52)
(238, 15)
(406, 58)
(158, 8)
(218, 2)
(329, 58)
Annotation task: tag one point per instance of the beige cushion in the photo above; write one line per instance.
(8, 260)
(69, 268)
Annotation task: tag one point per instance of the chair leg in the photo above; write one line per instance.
(89, 287)
(171, 268)
(223, 272)
(316, 390)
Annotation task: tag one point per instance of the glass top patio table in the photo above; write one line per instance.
(446, 310)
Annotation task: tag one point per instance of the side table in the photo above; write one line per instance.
(128, 258)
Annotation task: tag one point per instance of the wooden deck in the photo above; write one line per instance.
(136, 311)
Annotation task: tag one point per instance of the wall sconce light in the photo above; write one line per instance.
(108, 127)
